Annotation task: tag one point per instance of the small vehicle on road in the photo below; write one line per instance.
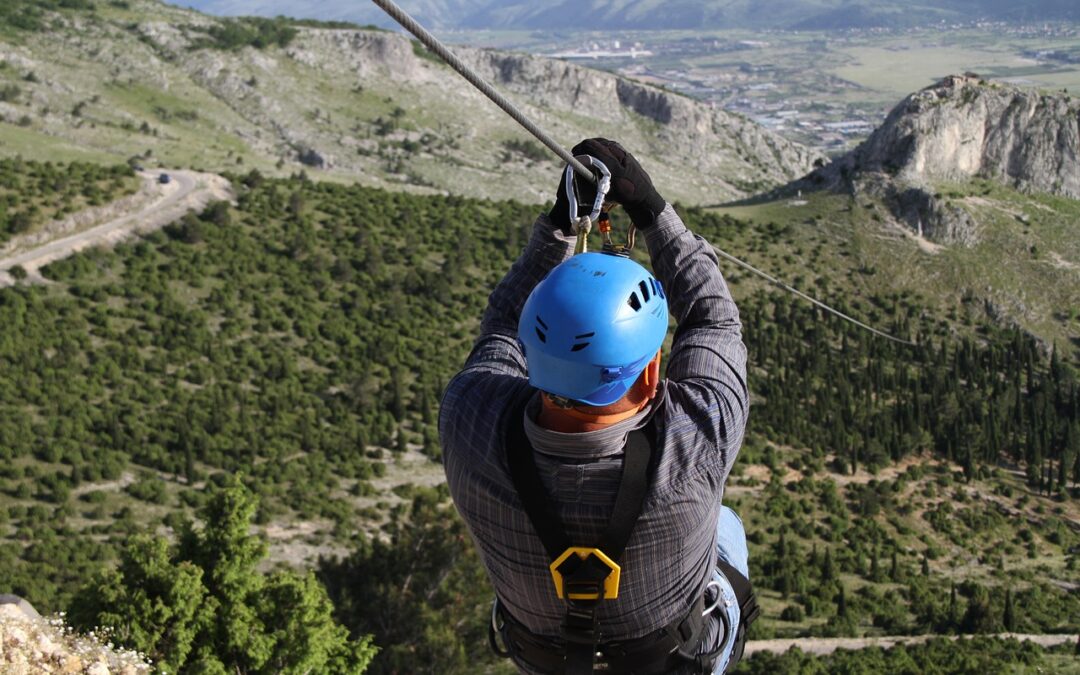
(164, 179)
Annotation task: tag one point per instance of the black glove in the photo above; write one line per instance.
(630, 186)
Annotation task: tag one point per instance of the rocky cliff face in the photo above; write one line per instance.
(740, 155)
(959, 129)
(964, 127)
(715, 154)
(356, 52)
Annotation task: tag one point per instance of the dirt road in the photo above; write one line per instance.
(821, 646)
(188, 190)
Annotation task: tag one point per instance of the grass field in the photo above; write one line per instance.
(926, 61)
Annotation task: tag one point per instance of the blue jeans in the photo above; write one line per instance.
(731, 547)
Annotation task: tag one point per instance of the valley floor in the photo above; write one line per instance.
(822, 646)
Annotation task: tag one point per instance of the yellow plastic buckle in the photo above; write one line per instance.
(611, 582)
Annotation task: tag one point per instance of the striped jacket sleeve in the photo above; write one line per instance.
(497, 361)
(706, 370)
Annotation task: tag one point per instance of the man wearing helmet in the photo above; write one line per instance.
(592, 487)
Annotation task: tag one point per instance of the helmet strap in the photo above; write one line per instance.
(651, 374)
(560, 402)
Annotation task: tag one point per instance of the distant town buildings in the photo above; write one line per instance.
(733, 73)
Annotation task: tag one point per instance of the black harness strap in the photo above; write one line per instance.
(581, 577)
(632, 492)
(661, 651)
(749, 610)
(519, 456)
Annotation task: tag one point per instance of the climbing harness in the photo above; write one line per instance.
(585, 577)
(749, 610)
(582, 576)
(439, 49)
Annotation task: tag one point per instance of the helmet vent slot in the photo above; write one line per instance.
(644, 290)
(579, 346)
(584, 335)
(634, 302)
(540, 334)
(541, 322)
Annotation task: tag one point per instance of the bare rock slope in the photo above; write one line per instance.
(959, 129)
(964, 127)
(730, 149)
(704, 154)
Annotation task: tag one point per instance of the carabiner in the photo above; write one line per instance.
(713, 583)
(495, 631)
(583, 224)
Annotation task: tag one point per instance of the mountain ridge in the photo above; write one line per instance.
(359, 105)
(651, 14)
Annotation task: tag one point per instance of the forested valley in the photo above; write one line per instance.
(287, 352)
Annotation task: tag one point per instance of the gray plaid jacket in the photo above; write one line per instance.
(700, 413)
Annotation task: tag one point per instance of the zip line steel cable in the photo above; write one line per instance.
(432, 43)
(440, 50)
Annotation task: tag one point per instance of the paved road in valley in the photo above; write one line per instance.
(821, 646)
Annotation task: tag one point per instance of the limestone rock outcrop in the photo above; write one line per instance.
(965, 127)
(959, 129)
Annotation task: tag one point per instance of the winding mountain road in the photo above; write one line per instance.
(187, 190)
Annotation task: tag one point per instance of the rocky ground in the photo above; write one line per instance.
(34, 644)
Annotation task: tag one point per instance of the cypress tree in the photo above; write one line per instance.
(189, 464)
(427, 407)
(397, 402)
(827, 571)
(952, 605)
(1009, 618)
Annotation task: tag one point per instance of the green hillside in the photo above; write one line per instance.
(1022, 271)
(33, 193)
(301, 340)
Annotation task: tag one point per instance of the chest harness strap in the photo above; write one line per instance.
(583, 576)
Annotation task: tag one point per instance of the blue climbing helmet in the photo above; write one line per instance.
(591, 327)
